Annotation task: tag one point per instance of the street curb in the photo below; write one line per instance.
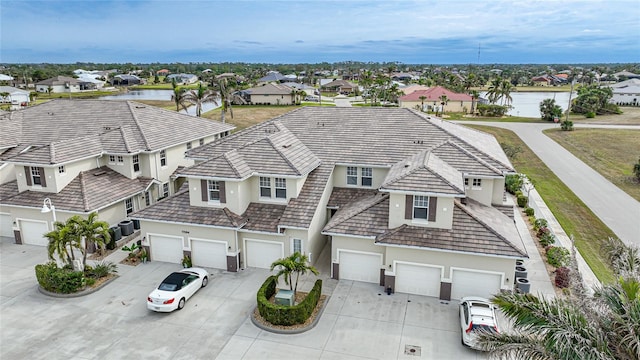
(290, 332)
(78, 294)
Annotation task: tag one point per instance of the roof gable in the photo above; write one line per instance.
(424, 172)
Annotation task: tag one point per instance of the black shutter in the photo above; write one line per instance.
(433, 208)
(223, 194)
(27, 173)
(204, 190)
(408, 207)
(43, 179)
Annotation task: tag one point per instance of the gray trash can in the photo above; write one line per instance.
(127, 227)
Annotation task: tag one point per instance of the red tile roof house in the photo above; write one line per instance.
(113, 157)
(457, 103)
(388, 196)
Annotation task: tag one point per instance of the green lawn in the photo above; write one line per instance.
(574, 216)
(610, 152)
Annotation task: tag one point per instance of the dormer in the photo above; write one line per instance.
(422, 190)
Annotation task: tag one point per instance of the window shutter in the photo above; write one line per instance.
(43, 179)
(433, 208)
(204, 190)
(223, 194)
(27, 173)
(408, 207)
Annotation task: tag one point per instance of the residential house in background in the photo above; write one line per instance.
(58, 84)
(184, 79)
(431, 98)
(271, 94)
(112, 157)
(626, 93)
(126, 80)
(16, 97)
(386, 195)
(340, 86)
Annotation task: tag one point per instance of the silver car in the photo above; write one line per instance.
(476, 314)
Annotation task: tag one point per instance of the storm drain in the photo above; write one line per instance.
(412, 350)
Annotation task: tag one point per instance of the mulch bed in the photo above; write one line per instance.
(299, 297)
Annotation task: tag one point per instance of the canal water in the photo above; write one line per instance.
(157, 95)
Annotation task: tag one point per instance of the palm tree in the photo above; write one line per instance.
(443, 101)
(224, 90)
(422, 99)
(58, 242)
(178, 95)
(475, 95)
(200, 96)
(295, 263)
(91, 231)
(505, 91)
(494, 90)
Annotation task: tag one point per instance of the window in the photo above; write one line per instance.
(165, 189)
(35, 176)
(281, 188)
(128, 204)
(367, 176)
(147, 198)
(214, 190)
(189, 145)
(163, 158)
(265, 187)
(352, 175)
(201, 142)
(61, 169)
(136, 163)
(120, 159)
(477, 183)
(296, 246)
(466, 183)
(420, 207)
(112, 159)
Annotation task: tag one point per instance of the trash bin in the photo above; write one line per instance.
(523, 285)
(126, 227)
(115, 234)
(136, 224)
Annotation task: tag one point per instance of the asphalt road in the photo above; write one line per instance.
(618, 210)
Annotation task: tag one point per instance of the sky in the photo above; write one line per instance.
(296, 31)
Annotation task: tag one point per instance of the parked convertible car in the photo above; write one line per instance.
(176, 289)
(476, 314)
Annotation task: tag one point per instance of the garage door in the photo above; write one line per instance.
(166, 248)
(32, 232)
(359, 266)
(212, 254)
(6, 225)
(418, 279)
(262, 254)
(470, 283)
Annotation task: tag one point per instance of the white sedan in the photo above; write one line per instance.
(476, 314)
(176, 289)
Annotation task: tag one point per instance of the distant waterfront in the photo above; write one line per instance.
(164, 95)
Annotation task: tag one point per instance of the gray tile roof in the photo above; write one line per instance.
(58, 80)
(263, 217)
(300, 210)
(178, 210)
(91, 190)
(271, 89)
(343, 196)
(122, 127)
(463, 160)
(476, 228)
(424, 172)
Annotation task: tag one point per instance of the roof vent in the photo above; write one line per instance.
(286, 146)
(98, 173)
(107, 127)
(140, 107)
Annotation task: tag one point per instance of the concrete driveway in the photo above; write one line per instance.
(359, 322)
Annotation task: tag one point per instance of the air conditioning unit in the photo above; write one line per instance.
(284, 297)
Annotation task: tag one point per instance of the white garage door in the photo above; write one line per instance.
(166, 248)
(211, 254)
(470, 283)
(261, 253)
(418, 279)
(32, 232)
(359, 266)
(6, 225)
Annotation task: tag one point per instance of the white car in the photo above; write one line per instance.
(176, 289)
(476, 313)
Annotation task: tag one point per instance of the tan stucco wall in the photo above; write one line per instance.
(505, 266)
(317, 241)
(340, 177)
(498, 191)
(271, 99)
(187, 232)
(354, 244)
(483, 195)
(7, 173)
(71, 172)
(444, 215)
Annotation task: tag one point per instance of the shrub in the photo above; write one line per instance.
(542, 231)
(529, 211)
(102, 269)
(547, 239)
(282, 314)
(522, 201)
(562, 277)
(557, 256)
(513, 183)
(567, 125)
(590, 115)
(59, 280)
(540, 223)
(491, 110)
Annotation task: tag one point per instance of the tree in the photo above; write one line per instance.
(178, 95)
(91, 231)
(200, 96)
(494, 90)
(295, 263)
(605, 325)
(224, 90)
(475, 95)
(60, 243)
(594, 99)
(443, 101)
(549, 110)
(422, 99)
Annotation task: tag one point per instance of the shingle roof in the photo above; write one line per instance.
(476, 228)
(177, 209)
(424, 172)
(90, 190)
(122, 126)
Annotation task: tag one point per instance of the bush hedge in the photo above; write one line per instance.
(529, 211)
(522, 201)
(282, 314)
(558, 256)
(562, 277)
(59, 280)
